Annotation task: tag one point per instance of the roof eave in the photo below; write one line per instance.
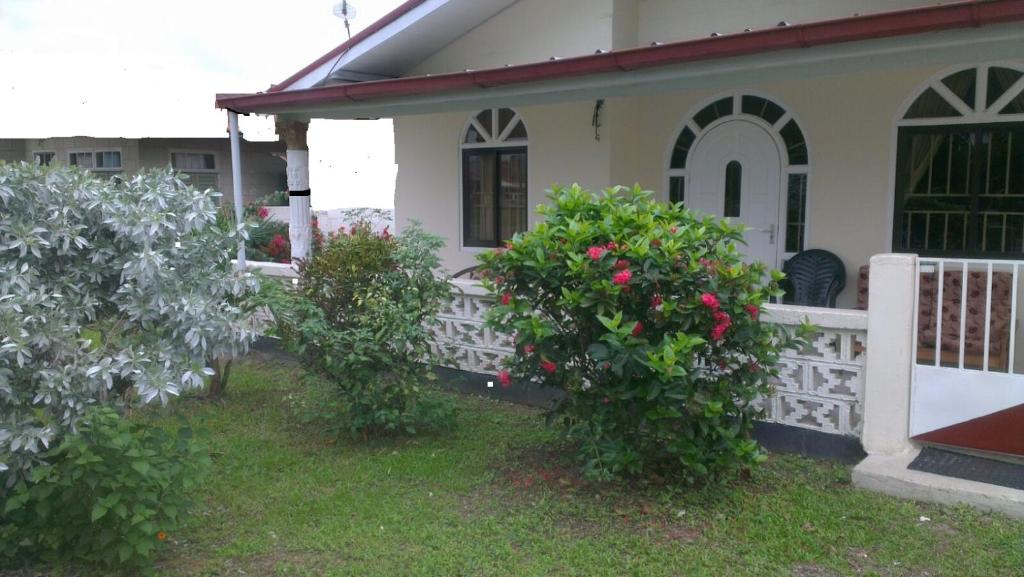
(972, 13)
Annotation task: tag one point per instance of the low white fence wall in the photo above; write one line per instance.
(820, 388)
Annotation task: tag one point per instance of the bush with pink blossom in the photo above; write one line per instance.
(647, 317)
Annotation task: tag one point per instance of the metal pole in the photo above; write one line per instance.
(236, 179)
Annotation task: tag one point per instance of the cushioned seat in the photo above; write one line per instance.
(952, 305)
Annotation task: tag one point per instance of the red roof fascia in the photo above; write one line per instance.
(370, 30)
(971, 13)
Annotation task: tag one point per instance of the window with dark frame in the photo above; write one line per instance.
(494, 178)
(960, 183)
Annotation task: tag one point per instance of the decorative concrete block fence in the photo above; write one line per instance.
(820, 388)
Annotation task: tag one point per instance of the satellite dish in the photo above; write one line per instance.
(347, 12)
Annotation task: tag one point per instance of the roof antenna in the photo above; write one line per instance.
(347, 12)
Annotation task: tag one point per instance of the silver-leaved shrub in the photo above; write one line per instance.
(110, 292)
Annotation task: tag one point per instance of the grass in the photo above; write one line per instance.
(495, 498)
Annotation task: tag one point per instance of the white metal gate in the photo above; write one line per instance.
(968, 389)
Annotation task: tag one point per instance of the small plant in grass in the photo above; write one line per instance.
(646, 316)
(108, 496)
(360, 318)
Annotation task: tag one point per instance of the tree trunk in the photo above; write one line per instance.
(219, 380)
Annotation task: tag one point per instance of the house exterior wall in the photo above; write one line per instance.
(263, 171)
(527, 31)
(564, 28)
(12, 149)
(848, 121)
(562, 150)
(674, 20)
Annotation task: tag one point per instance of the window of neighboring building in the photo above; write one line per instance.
(107, 160)
(81, 159)
(200, 167)
(96, 160)
(494, 178)
(193, 161)
(43, 158)
(960, 166)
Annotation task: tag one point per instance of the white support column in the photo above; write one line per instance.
(236, 178)
(300, 231)
(890, 354)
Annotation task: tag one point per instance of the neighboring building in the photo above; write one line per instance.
(863, 127)
(207, 161)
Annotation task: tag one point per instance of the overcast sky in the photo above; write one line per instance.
(137, 68)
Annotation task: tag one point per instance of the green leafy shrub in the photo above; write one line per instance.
(359, 318)
(111, 291)
(646, 316)
(107, 496)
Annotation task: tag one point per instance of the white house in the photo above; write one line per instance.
(888, 132)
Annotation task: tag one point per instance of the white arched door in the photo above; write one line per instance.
(736, 173)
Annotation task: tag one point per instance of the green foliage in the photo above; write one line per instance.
(646, 316)
(111, 291)
(276, 198)
(360, 318)
(107, 496)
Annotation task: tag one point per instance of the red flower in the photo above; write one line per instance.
(528, 349)
(595, 252)
(708, 264)
(548, 367)
(711, 301)
(753, 310)
(754, 367)
(718, 332)
(673, 230)
(505, 379)
(161, 536)
(722, 318)
(656, 242)
(385, 234)
(263, 212)
(656, 301)
(610, 246)
(639, 328)
(506, 299)
(621, 264)
(622, 277)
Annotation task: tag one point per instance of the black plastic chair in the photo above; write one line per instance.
(814, 278)
(472, 273)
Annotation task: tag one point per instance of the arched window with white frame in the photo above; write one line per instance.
(494, 178)
(960, 165)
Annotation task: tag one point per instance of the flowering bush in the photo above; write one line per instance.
(108, 496)
(648, 319)
(268, 240)
(360, 320)
(109, 292)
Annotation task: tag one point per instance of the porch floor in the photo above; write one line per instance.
(891, 474)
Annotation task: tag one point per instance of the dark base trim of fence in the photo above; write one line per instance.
(779, 438)
(775, 437)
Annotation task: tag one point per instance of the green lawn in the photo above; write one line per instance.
(493, 498)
